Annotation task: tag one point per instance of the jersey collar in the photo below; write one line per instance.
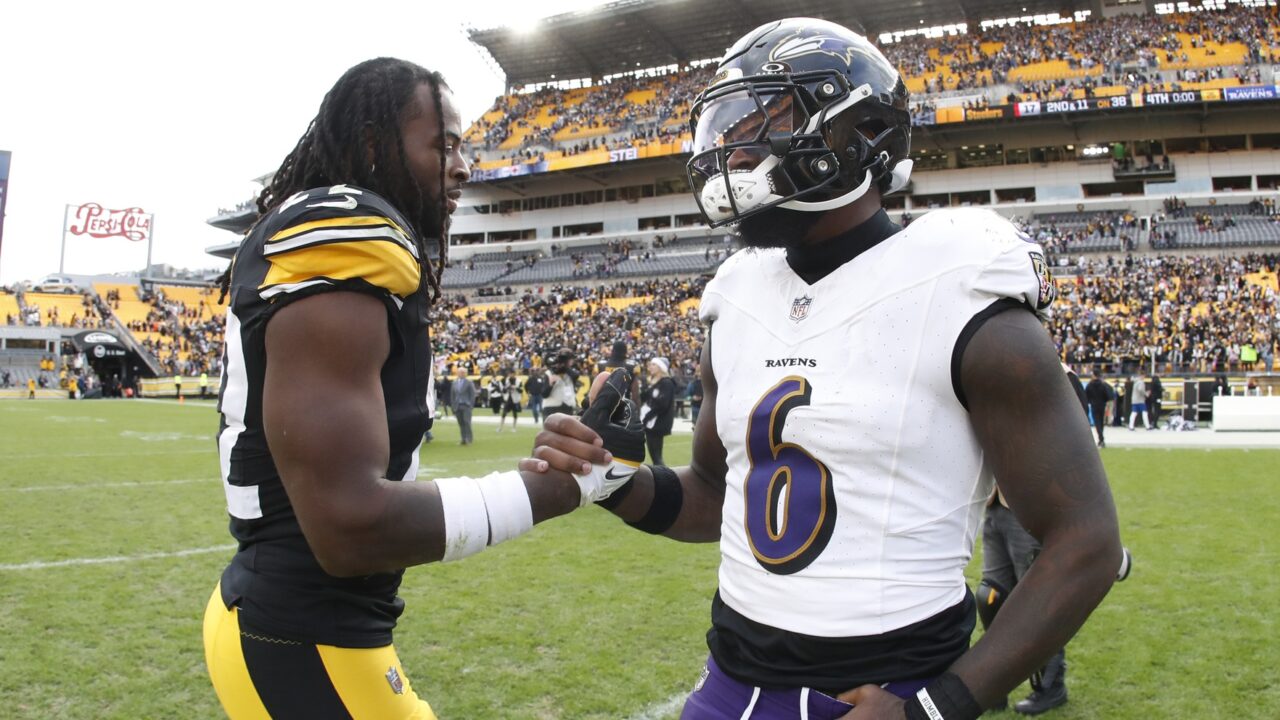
(814, 262)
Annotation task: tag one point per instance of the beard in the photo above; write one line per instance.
(433, 219)
(776, 228)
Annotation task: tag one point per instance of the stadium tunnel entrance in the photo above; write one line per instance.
(115, 361)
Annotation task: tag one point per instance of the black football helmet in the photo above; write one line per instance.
(802, 114)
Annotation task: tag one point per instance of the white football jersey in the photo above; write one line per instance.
(855, 482)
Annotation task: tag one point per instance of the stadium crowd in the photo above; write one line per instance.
(1150, 41)
(1193, 314)
(518, 337)
(30, 314)
(1123, 54)
(1119, 225)
(605, 109)
(185, 339)
(1188, 314)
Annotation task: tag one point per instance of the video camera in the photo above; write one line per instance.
(560, 360)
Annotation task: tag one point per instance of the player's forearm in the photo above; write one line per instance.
(403, 524)
(1068, 579)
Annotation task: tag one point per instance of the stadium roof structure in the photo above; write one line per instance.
(627, 35)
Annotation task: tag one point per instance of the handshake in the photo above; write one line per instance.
(617, 421)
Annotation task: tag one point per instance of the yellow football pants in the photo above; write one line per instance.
(260, 678)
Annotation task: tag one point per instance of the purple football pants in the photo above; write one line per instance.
(719, 697)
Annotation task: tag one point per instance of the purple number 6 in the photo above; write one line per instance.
(790, 503)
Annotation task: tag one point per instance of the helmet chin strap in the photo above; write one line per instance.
(833, 203)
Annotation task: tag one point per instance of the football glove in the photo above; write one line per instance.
(615, 419)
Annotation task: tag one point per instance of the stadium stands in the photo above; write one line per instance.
(1180, 313)
(9, 309)
(123, 300)
(1186, 313)
(1070, 232)
(1092, 58)
(76, 311)
(608, 258)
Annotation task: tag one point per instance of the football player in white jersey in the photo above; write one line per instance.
(862, 383)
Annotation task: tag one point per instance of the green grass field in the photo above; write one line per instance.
(583, 618)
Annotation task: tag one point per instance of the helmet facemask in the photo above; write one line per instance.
(768, 141)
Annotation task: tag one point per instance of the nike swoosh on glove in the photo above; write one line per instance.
(616, 420)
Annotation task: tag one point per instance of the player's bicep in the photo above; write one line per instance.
(1029, 423)
(323, 409)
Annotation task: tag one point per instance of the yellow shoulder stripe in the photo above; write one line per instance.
(338, 222)
(381, 263)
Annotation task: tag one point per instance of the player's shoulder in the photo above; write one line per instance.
(334, 206)
(971, 231)
(340, 235)
(744, 266)
(994, 256)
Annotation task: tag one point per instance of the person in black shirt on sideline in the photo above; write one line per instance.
(1100, 395)
(658, 411)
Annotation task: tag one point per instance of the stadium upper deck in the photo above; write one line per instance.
(971, 70)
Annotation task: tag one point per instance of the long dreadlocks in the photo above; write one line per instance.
(363, 111)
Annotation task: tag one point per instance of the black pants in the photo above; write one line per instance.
(1099, 420)
(653, 439)
(1008, 551)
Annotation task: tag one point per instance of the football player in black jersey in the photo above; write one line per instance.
(861, 383)
(326, 395)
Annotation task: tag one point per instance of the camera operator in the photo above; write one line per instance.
(562, 384)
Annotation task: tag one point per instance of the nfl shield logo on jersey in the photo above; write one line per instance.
(397, 684)
(800, 307)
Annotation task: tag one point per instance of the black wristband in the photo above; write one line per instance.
(946, 698)
(668, 498)
(617, 496)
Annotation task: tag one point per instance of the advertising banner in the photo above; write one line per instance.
(1250, 92)
(509, 171)
(97, 239)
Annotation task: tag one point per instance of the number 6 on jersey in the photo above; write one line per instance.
(790, 503)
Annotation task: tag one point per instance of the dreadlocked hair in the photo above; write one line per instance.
(363, 111)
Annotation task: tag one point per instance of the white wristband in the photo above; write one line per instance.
(483, 512)
(507, 502)
(466, 522)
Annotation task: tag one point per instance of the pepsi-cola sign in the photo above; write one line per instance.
(96, 221)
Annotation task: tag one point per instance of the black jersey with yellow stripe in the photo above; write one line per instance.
(339, 238)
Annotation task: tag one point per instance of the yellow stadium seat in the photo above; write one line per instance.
(67, 306)
(8, 306)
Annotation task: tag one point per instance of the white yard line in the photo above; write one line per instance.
(661, 709)
(96, 486)
(45, 564)
(209, 450)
